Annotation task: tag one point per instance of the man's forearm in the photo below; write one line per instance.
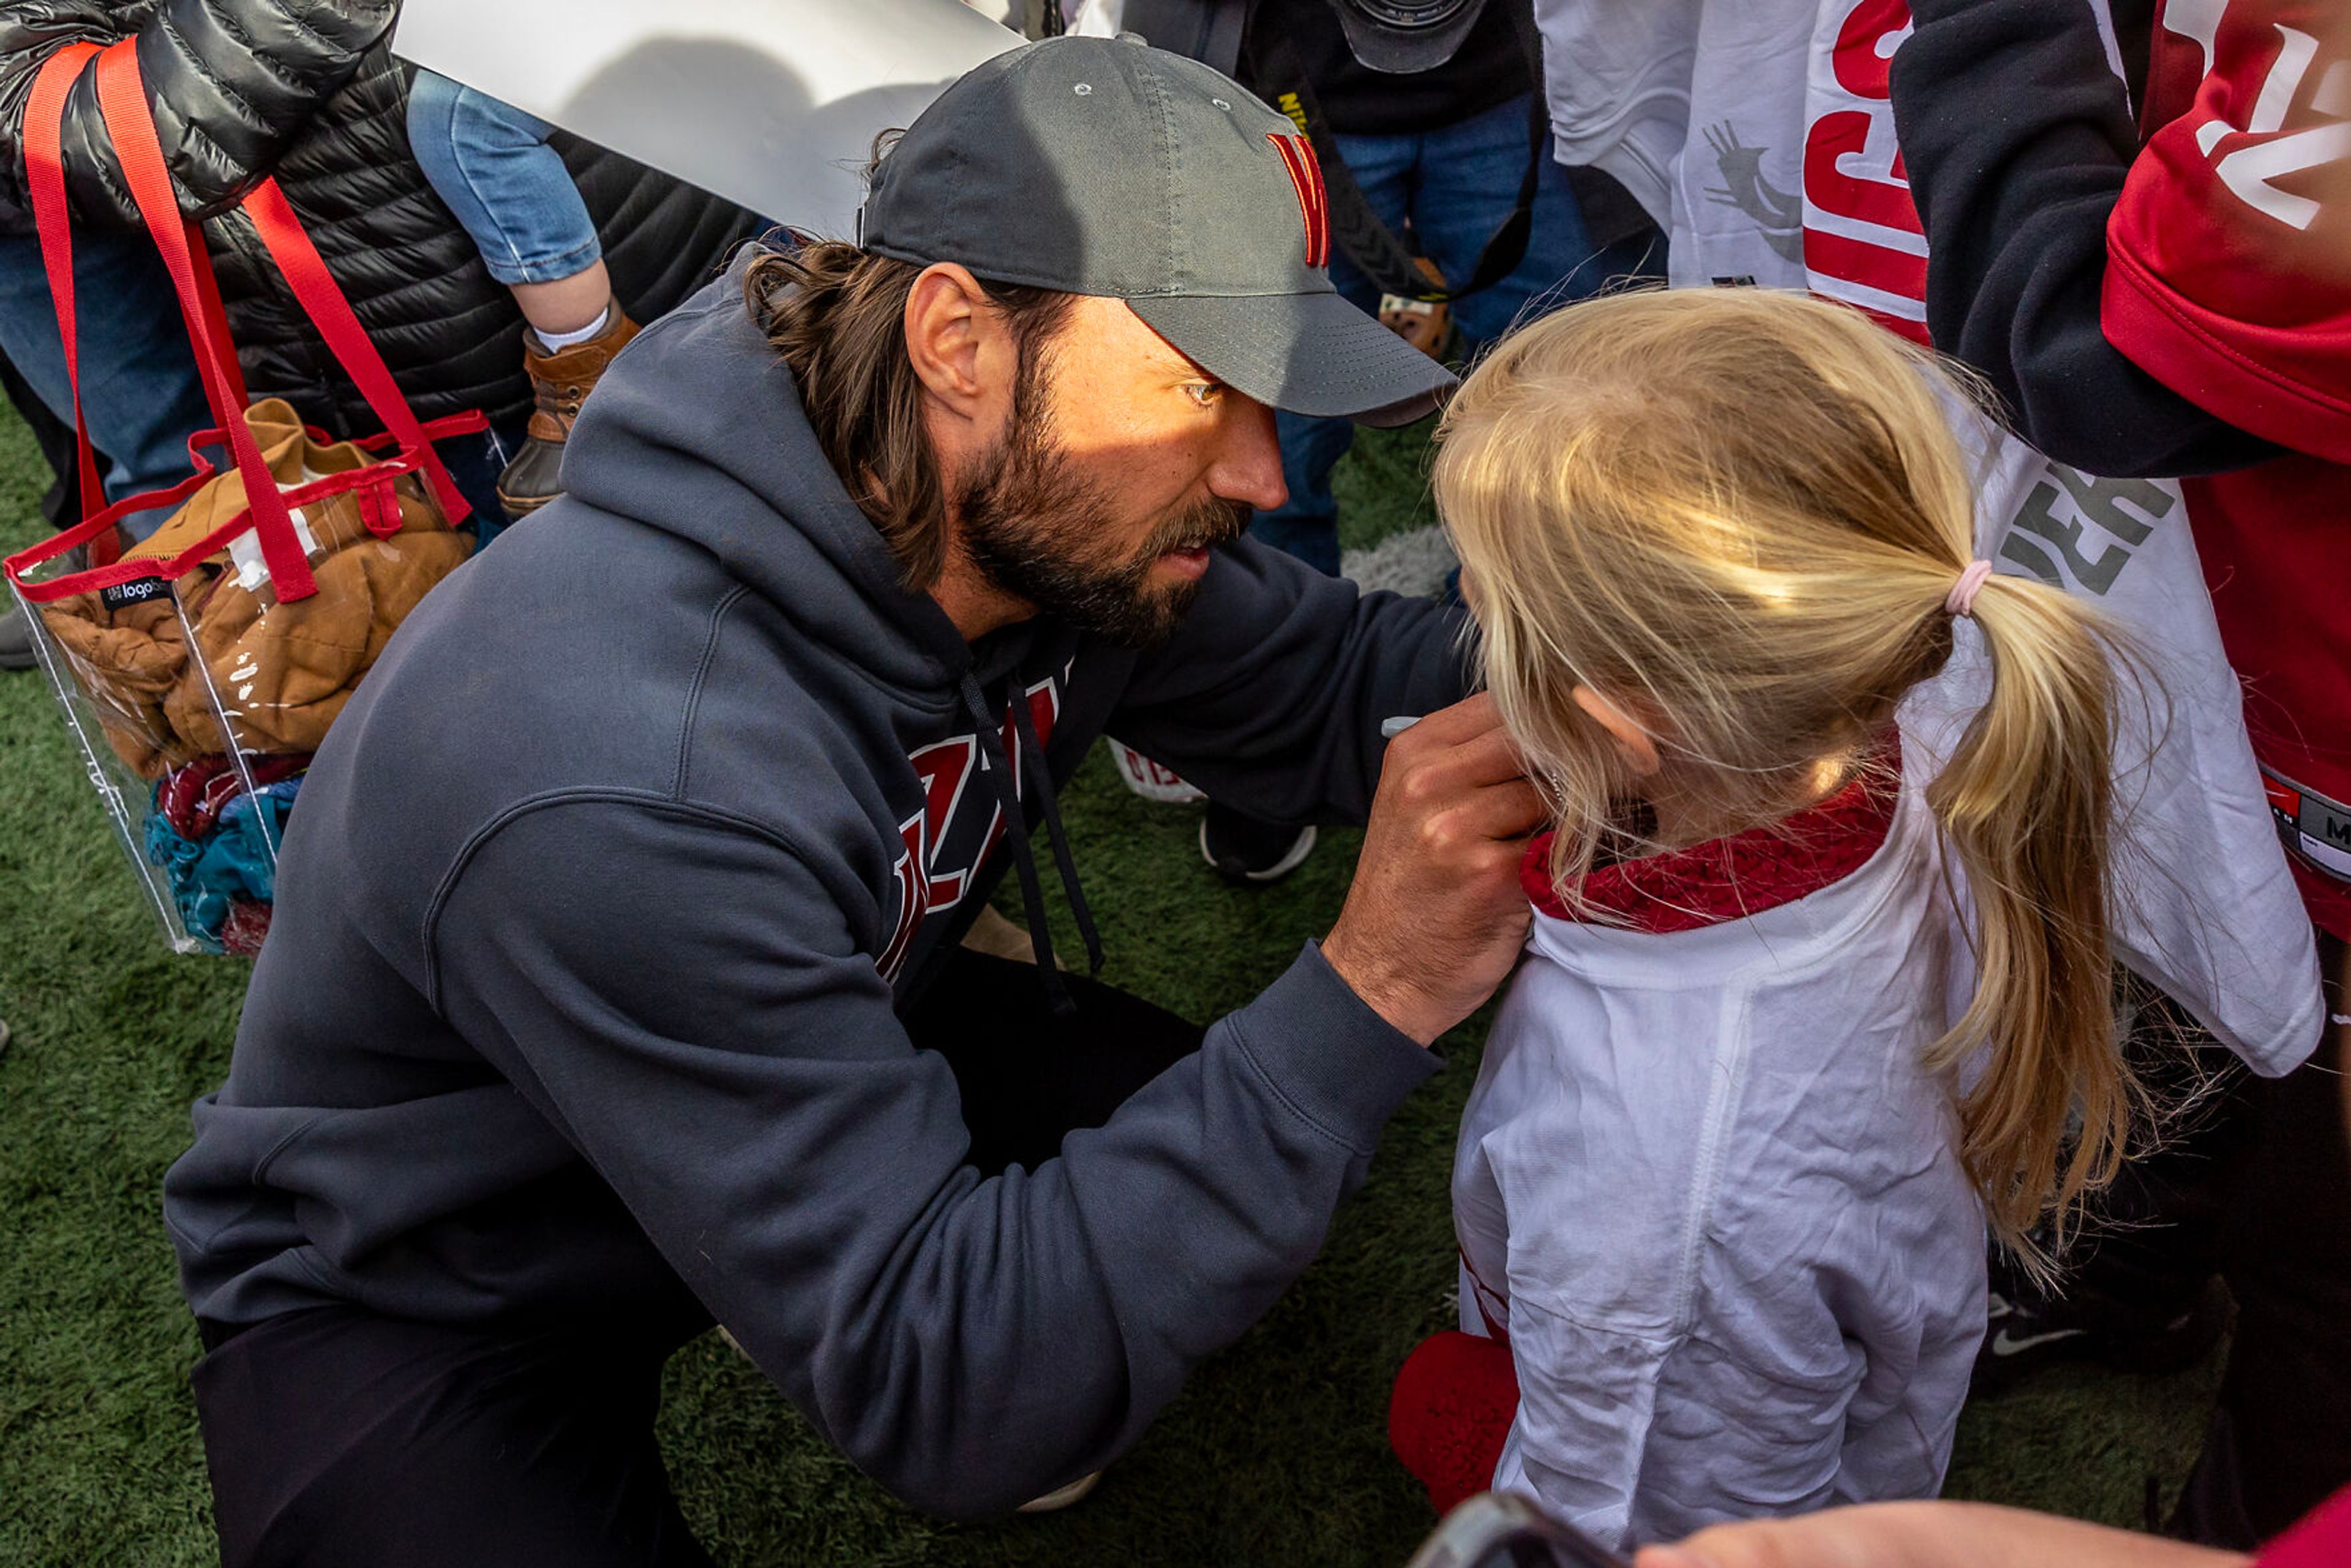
(1271, 696)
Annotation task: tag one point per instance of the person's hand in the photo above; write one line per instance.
(1926, 1535)
(1435, 916)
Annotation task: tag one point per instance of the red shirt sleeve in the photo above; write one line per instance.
(2230, 251)
(2323, 1539)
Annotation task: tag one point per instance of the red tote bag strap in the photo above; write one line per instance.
(122, 102)
(214, 316)
(44, 128)
(305, 271)
(45, 172)
(52, 222)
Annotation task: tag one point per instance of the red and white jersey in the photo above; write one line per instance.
(2228, 274)
(2229, 279)
(1790, 177)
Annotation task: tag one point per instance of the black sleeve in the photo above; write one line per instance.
(1271, 696)
(230, 82)
(2017, 135)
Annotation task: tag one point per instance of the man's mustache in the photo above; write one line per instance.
(1204, 527)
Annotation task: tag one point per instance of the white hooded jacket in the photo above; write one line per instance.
(1709, 1193)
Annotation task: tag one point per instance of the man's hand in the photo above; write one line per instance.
(1435, 916)
(1926, 1535)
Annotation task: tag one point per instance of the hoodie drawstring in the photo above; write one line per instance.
(1024, 726)
(1024, 861)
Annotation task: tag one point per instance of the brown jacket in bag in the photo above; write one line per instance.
(128, 660)
(279, 672)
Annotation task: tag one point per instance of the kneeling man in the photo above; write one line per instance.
(615, 983)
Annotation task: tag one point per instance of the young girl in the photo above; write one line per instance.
(1799, 1012)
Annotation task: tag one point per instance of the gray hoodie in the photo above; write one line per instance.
(598, 907)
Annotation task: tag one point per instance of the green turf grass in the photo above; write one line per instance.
(1275, 1454)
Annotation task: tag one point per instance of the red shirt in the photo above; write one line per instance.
(2230, 281)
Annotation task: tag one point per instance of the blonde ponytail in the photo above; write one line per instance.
(1738, 516)
(2025, 806)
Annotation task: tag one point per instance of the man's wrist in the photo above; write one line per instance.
(1335, 1061)
(1405, 1011)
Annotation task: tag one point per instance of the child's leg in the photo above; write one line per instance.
(2280, 1440)
(509, 189)
(1475, 169)
(490, 162)
(139, 387)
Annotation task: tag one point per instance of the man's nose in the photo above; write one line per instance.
(1248, 459)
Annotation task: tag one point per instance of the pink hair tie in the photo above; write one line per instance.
(1962, 600)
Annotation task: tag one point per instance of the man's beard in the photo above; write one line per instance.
(1037, 530)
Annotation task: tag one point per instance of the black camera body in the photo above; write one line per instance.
(1400, 36)
(1501, 1529)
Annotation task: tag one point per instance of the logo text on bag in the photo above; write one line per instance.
(138, 590)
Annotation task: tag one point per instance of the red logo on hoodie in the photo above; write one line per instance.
(934, 873)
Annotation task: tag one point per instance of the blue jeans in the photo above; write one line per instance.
(509, 189)
(139, 387)
(1455, 185)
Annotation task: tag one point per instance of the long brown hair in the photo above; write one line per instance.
(1737, 514)
(838, 316)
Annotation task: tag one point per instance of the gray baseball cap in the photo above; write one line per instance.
(1106, 167)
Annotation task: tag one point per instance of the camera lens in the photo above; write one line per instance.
(1409, 15)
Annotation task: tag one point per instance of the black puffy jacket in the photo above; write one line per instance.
(305, 91)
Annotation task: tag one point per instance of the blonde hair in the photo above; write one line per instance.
(1736, 515)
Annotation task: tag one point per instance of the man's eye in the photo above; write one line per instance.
(1205, 393)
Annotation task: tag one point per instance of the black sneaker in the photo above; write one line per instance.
(1247, 853)
(2026, 1330)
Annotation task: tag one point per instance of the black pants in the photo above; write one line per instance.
(340, 1437)
(2259, 1190)
(62, 504)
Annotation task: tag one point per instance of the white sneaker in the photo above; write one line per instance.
(1064, 1497)
(1247, 852)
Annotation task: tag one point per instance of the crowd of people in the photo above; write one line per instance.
(1881, 745)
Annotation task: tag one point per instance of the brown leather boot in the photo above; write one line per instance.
(560, 379)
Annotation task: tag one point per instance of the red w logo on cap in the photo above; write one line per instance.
(1306, 176)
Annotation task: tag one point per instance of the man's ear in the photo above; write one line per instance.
(1631, 739)
(958, 344)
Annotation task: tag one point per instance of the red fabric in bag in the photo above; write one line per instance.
(51, 212)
